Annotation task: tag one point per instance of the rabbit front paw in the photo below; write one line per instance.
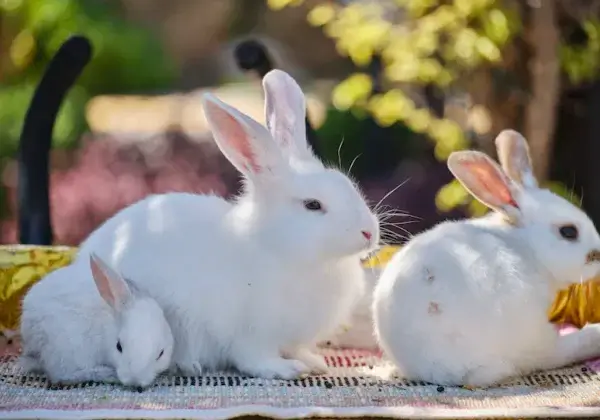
(191, 368)
(576, 347)
(275, 368)
(315, 362)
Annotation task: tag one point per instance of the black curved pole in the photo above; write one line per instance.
(251, 56)
(36, 138)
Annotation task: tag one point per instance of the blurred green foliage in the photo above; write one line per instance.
(582, 61)
(435, 44)
(126, 59)
(430, 42)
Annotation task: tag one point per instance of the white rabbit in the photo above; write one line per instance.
(358, 333)
(252, 283)
(466, 302)
(101, 330)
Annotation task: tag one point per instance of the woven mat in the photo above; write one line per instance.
(355, 387)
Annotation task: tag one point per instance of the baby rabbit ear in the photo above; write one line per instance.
(243, 141)
(513, 153)
(285, 112)
(110, 284)
(484, 179)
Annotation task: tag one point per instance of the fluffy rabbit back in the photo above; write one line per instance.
(477, 291)
(63, 326)
(462, 320)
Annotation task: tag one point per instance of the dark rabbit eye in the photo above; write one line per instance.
(160, 354)
(119, 347)
(313, 205)
(569, 232)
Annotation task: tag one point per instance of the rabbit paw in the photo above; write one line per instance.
(315, 362)
(276, 368)
(189, 368)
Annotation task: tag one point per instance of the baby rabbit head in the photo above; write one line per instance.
(303, 207)
(141, 345)
(562, 239)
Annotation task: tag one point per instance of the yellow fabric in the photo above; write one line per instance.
(22, 266)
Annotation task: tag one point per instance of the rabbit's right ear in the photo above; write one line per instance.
(110, 284)
(484, 179)
(513, 153)
(244, 142)
(285, 112)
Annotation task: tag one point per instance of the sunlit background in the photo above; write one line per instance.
(393, 87)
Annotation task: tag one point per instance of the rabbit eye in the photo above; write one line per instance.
(160, 354)
(313, 205)
(119, 347)
(569, 232)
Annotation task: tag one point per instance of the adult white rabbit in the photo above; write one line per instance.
(251, 283)
(466, 302)
(94, 330)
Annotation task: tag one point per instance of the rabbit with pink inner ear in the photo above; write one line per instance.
(255, 282)
(94, 330)
(466, 302)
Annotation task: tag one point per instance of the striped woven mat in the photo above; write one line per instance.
(356, 386)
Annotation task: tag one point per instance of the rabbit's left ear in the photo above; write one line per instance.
(486, 181)
(110, 284)
(243, 141)
(285, 112)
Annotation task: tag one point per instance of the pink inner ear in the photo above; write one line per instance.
(238, 139)
(491, 181)
(102, 283)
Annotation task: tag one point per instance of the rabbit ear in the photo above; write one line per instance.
(243, 141)
(484, 179)
(285, 112)
(110, 284)
(513, 153)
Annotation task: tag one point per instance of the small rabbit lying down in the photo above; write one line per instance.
(466, 302)
(254, 282)
(79, 330)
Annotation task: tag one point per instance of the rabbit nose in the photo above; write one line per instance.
(368, 235)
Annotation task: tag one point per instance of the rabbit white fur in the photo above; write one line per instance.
(94, 330)
(251, 283)
(466, 302)
(358, 333)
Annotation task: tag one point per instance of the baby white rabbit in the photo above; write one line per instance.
(100, 330)
(251, 283)
(466, 302)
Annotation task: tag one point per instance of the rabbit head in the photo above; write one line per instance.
(562, 239)
(142, 344)
(292, 201)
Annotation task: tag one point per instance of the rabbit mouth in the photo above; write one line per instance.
(592, 257)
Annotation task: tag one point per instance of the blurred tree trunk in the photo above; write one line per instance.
(544, 68)
(591, 200)
(502, 91)
(523, 93)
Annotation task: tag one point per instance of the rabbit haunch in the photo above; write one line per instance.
(477, 291)
(255, 282)
(79, 329)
